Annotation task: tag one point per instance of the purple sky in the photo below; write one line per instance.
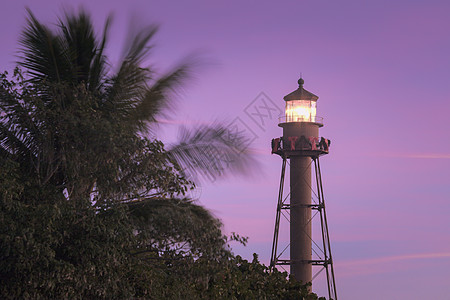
(381, 71)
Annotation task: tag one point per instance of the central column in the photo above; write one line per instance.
(295, 134)
(300, 227)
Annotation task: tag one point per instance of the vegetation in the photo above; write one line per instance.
(90, 207)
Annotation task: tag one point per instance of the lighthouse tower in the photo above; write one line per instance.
(300, 147)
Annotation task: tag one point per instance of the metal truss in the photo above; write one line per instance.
(323, 259)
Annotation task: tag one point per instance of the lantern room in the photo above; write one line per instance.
(301, 106)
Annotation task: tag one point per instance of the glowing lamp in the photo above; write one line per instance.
(301, 106)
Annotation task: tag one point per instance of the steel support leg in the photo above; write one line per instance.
(328, 261)
(273, 258)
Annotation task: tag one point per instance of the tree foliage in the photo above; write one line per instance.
(92, 208)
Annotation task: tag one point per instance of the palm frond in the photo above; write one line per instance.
(42, 53)
(126, 87)
(139, 46)
(212, 151)
(134, 94)
(82, 49)
(155, 99)
(18, 130)
(13, 144)
(98, 64)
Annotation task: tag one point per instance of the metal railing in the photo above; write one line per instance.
(289, 119)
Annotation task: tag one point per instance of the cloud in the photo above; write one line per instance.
(414, 155)
(380, 265)
(429, 155)
(388, 259)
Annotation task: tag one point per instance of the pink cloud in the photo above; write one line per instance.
(413, 155)
(428, 155)
(378, 264)
(388, 259)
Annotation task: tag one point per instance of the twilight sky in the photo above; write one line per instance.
(381, 70)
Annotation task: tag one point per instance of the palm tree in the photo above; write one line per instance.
(68, 71)
(80, 127)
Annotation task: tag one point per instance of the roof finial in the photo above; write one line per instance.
(300, 81)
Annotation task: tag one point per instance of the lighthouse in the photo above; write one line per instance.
(300, 147)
